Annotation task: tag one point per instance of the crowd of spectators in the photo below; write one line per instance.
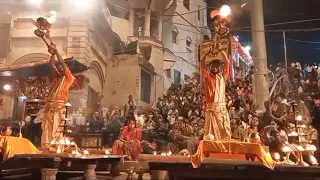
(176, 121)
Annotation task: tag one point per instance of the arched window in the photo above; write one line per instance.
(175, 34)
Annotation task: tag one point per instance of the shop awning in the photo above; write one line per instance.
(39, 69)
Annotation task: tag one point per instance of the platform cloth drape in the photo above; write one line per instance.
(206, 147)
(11, 146)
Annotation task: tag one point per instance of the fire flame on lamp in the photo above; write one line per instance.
(299, 118)
(43, 27)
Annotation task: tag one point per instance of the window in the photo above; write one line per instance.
(145, 86)
(188, 45)
(199, 13)
(177, 77)
(175, 33)
(168, 72)
(188, 42)
(186, 4)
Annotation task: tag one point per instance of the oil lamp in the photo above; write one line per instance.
(312, 160)
(287, 150)
(300, 161)
(43, 28)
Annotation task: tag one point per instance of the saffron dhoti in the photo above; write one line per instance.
(217, 121)
(53, 116)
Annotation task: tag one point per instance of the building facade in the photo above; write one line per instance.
(182, 35)
(138, 68)
(83, 33)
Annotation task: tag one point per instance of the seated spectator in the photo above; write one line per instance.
(129, 143)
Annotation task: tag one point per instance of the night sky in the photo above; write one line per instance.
(278, 11)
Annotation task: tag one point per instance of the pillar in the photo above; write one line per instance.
(160, 30)
(90, 172)
(147, 22)
(260, 80)
(48, 174)
(131, 21)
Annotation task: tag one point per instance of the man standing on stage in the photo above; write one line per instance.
(217, 120)
(54, 109)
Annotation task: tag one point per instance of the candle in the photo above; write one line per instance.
(67, 141)
(61, 141)
(58, 150)
(286, 149)
(313, 160)
(293, 134)
(154, 153)
(52, 142)
(163, 154)
(311, 148)
(85, 152)
(299, 118)
(74, 152)
(169, 153)
(107, 152)
(300, 148)
(277, 156)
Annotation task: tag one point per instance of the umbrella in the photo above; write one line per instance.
(39, 69)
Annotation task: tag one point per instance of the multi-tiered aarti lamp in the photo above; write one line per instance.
(300, 142)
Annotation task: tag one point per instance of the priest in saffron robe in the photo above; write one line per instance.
(54, 110)
(217, 122)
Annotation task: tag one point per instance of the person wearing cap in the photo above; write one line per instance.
(217, 120)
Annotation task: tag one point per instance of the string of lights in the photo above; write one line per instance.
(295, 40)
(190, 12)
(233, 29)
(158, 19)
(206, 6)
(283, 23)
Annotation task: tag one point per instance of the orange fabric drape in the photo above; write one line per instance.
(232, 147)
(11, 146)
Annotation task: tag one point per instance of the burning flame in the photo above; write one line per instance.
(286, 149)
(276, 156)
(300, 148)
(311, 148)
(58, 150)
(107, 152)
(85, 152)
(293, 134)
(299, 118)
(313, 160)
(52, 17)
(225, 10)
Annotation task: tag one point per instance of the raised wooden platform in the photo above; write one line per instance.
(213, 168)
(50, 164)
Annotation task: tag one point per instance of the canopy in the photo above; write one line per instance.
(39, 69)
